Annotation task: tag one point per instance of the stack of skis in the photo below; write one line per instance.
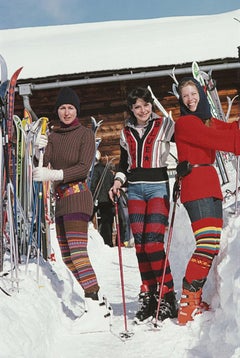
(25, 207)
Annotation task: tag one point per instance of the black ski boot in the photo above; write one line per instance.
(168, 306)
(147, 303)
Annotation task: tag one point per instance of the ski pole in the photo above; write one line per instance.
(32, 225)
(40, 197)
(176, 192)
(126, 333)
(237, 179)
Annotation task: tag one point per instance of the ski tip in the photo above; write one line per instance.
(5, 292)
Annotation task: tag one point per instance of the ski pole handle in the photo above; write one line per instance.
(44, 125)
(44, 121)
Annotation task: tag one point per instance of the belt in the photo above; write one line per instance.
(64, 190)
(201, 165)
(185, 167)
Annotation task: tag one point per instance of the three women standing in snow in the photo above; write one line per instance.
(144, 145)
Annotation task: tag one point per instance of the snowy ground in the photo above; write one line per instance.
(40, 320)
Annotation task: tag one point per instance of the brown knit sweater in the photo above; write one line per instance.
(72, 150)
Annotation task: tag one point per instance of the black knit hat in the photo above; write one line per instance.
(68, 96)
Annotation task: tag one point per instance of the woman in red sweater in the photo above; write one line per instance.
(198, 136)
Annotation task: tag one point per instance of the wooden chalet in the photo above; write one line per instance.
(104, 61)
(103, 94)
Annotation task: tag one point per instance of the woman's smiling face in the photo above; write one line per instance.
(142, 110)
(190, 97)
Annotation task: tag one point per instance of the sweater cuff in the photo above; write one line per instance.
(121, 177)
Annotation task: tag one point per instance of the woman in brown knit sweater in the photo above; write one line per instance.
(70, 150)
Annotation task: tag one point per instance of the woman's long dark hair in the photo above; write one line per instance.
(139, 92)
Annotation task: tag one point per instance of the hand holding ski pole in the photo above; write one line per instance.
(41, 173)
(125, 334)
(42, 143)
(114, 191)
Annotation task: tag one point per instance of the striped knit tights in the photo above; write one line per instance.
(207, 234)
(148, 223)
(72, 238)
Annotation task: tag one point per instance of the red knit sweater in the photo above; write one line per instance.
(198, 144)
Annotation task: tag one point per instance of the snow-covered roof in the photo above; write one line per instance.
(53, 50)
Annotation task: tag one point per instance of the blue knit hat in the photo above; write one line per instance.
(68, 96)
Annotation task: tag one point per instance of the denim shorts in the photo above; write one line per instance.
(204, 208)
(147, 191)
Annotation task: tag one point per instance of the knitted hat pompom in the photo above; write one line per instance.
(68, 96)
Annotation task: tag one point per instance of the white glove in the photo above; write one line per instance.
(41, 141)
(45, 174)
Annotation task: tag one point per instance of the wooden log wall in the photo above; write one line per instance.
(107, 102)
